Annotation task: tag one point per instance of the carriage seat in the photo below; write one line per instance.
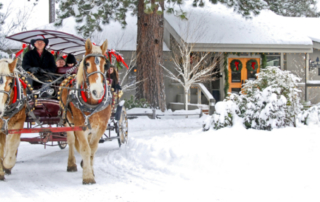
(63, 70)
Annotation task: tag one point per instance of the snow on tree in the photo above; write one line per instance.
(13, 20)
(311, 115)
(150, 31)
(270, 101)
(294, 8)
(3, 55)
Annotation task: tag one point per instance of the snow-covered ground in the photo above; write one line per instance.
(173, 160)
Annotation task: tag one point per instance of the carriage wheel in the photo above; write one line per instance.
(62, 144)
(123, 127)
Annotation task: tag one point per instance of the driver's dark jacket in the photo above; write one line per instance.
(45, 62)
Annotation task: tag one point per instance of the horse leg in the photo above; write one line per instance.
(94, 142)
(72, 166)
(12, 144)
(2, 146)
(85, 151)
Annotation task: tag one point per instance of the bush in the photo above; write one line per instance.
(270, 101)
(311, 115)
(136, 103)
(3, 55)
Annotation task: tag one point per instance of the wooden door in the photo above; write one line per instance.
(243, 69)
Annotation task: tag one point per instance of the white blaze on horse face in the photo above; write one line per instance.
(96, 88)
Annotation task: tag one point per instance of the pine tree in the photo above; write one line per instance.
(95, 13)
(294, 8)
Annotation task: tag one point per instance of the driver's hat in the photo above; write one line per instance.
(39, 38)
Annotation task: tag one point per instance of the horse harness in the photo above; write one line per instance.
(76, 98)
(13, 108)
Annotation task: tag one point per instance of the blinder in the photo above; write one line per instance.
(11, 87)
(106, 65)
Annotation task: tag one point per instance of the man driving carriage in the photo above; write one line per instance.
(39, 60)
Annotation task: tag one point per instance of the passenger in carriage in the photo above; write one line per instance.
(60, 62)
(114, 76)
(71, 60)
(68, 64)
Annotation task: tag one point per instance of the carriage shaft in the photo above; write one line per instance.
(48, 129)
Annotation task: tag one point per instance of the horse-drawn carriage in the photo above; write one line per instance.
(74, 109)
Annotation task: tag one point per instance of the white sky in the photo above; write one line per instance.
(40, 13)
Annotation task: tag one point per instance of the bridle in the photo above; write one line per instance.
(11, 86)
(86, 75)
(14, 108)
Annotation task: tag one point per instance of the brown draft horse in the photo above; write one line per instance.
(9, 143)
(86, 142)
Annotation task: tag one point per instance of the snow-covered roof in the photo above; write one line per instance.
(307, 26)
(217, 24)
(124, 39)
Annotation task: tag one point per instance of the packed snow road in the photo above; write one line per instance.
(173, 160)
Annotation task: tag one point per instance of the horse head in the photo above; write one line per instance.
(93, 68)
(7, 67)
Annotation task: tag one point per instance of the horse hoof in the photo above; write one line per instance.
(72, 168)
(81, 163)
(7, 171)
(2, 178)
(88, 181)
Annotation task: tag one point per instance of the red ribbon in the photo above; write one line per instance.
(21, 51)
(112, 52)
(24, 85)
(237, 65)
(253, 65)
(15, 90)
(118, 57)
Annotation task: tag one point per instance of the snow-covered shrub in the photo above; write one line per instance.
(136, 103)
(311, 115)
(3, 55)
(224, 114)
(270, 101)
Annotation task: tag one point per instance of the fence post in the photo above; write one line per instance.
(153, 113)
(199, 95)
(212, 103)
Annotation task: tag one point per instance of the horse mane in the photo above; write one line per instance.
(95, 49)
(4, 65)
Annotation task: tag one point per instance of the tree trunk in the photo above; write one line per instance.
(149, 51)
(186, 100)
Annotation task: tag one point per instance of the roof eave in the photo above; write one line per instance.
(257, 48)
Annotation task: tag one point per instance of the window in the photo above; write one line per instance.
(273, 60)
